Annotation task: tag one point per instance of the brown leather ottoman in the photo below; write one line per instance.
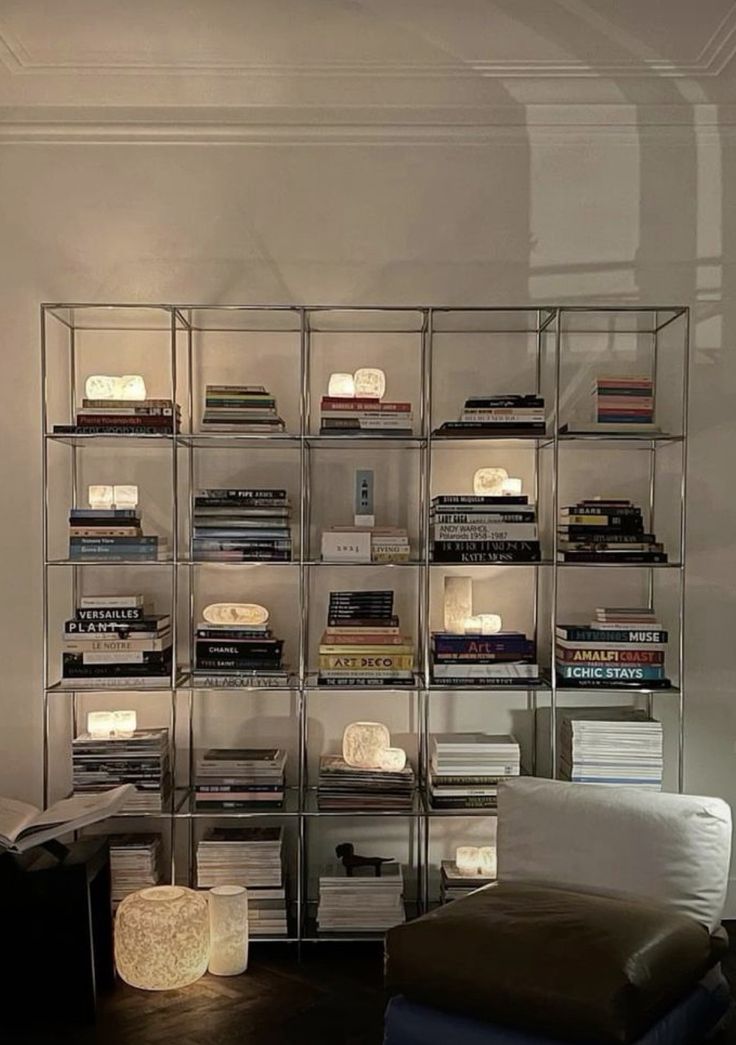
(568, 965)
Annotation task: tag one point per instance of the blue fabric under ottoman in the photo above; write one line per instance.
(408, 1023)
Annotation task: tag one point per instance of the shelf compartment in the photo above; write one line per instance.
(311, 808)
(290, 808)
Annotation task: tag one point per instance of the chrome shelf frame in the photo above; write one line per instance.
(549, 325)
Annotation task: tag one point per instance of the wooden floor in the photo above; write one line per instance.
(332, 997)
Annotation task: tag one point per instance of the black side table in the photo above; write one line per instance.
(56, 931)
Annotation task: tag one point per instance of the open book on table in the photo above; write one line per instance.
(22, 825)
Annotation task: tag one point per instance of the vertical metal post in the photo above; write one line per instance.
(302, 876)
(683, 541)
(174, 567)
(44, 559)
(425, 594)
(555, 565)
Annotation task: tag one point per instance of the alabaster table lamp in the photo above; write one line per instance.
(228, 906)
(162, 938)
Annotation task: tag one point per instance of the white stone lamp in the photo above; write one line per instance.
(489, 481)
(365, 743)
(341, 386)
(467, 859)
(488, 861)
(101, 724)
(249, 614)
(124, 722)
(490, 623)
(511, 487)
(108, 386)
(228, 906)
(100, 497)
(162, 938)
(369, 383)
(393, 759)
(458, 603)
(125, 496)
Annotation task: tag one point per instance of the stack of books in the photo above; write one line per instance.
(621, 647)
(363, 644)
(364, 416)
(454, 885)
(365, 544)
(232, 654)
(241, 526)
(341, 786)
(140, 758)
(608, 530)
(124, 417)
(507, 658)
(612, 747)
(115, 641)
(136, 862)
(623, 400)
(510, 415)
(110, 535)
(240, 408)
(249, 856)
(360, 903)
(240, 778)
(465, 769)
(483, 528)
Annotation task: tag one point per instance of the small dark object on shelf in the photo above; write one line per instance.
(346, 852)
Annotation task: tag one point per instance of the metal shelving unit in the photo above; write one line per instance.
(74, 335)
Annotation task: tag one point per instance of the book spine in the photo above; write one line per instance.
(111, 602)
(369, 406)
(613, 557)
(97, 645)
(449, 518)
(235, 664)
(127, 420)
(604, 672)
(347, 682)
(479, 532)
(599, 656)
(138, 541)
(246, 648)
(392, 662)
(246, 493)
(459, 557)
(119, 615)
(336, 621)
(479, 499)
(604, 635)
(464, 803)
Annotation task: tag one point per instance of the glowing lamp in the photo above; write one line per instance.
(341, 386)
(393, 759)
(162, 938)
(249, 614)
(490, 623)
(101, 723)
(511, 487)
(369, 382)
(125, 496)
(107, 386)
(458, 603)
(467, 858)
(489, 481)
(228, 906)
(99, 496)
(364, 744)
(488, 862)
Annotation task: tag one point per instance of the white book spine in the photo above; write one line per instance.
(134, 657)
(110, 602)
(484, 532)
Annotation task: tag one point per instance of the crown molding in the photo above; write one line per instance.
(378, 125)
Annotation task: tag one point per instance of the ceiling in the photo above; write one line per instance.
(308, 54)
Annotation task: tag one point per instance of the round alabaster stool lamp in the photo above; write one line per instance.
(228, 930)
(162, 938)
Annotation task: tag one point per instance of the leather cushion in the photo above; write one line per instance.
(573, 966)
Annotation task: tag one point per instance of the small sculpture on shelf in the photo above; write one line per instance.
(350, 860)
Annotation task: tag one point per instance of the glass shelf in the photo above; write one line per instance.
(72, 686)
(191, 682)
(517, 687)
(161, 561)
(465, 442)
(108, 439)
(311, 808)
(238, 440)
(352, 441)
(621, 565)
(485, 565)
(412, 563)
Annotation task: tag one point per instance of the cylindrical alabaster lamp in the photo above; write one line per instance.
(162, 938)
(228, 930)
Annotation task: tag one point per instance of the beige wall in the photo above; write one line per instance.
(503, 218)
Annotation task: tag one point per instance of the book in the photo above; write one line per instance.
(23, 826)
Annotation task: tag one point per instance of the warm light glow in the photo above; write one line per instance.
(100, 496)
(488, 862)
(489, 481)
(247, 613)
(364, 744)
(467, 858)
(369, 382)
(228, 930)
(162, 938)
(101, 723)
(458, 603)
(106, 497)
(490, 623)
(342, 386)
(107, 386)
(511, 487)
(125, 496)
(393, 759)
